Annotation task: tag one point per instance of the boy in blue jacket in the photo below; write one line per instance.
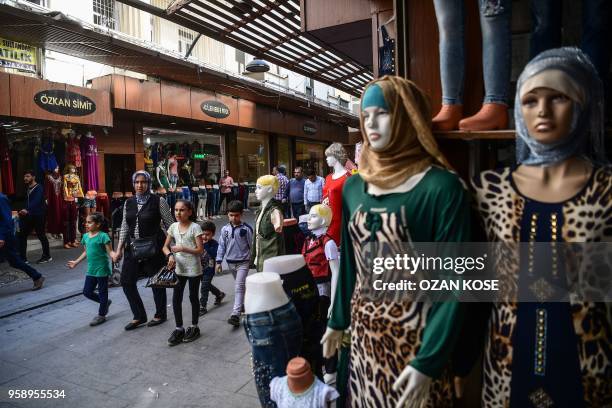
(208, 258)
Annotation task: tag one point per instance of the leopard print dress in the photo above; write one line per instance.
(587, 217)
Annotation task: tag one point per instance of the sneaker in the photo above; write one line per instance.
(234, 320)
(44, 259)
(176, 337)
(192, 334)
(38, 283)
(203, 310)
(219, 299)
(97, 320)
(329, 379)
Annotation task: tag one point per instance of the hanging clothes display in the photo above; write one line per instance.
(59, 148)
(73, 152)
(8, 186)
(89, 152)
(46, 157)
(53, 193)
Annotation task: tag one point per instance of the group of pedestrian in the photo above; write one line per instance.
(182, 245)
(298, 195)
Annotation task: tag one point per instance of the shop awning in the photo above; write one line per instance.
(268, 29)
(54, 31)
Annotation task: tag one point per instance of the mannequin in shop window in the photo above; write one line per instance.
(72, 193)
(403, 192)
(89, 151)
(336, 158)
(162, 174)
(496, 52)
(173, 176)
(148, 162)
(554, 353)
(53, 193)
(268, 235)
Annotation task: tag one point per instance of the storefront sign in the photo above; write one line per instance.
(215, 109)
(17, 55)
(65, 102)
(310, 128)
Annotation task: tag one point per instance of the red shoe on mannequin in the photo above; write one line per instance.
(492, 116)
(447, 118)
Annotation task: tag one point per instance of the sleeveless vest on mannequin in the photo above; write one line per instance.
(268, 242)
(314, 254)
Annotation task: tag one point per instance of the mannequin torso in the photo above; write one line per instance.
(264, 292)
(268, 229)
(332, 196)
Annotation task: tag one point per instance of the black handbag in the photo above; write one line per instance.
(165, 278)
(144, 248)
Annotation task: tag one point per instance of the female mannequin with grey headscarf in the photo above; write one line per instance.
(541, 349)
(143, 215)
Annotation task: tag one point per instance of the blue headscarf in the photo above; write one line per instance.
(585, 90)
(142, 198)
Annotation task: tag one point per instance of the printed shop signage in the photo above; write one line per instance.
(215, 109)
(309, 128)
(16, 55)
(65, 102)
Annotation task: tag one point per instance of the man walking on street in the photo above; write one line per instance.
(283, 183)
(8, 246)
(313, 190)
(33, 217)
(296, 193)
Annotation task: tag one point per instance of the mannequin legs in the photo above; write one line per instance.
(449, 14)
(70, 217)
(201, 210)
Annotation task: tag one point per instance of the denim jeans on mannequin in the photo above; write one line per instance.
(596, 14)
(496, 49)
(275, 337)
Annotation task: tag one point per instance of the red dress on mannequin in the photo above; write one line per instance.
(333, 190)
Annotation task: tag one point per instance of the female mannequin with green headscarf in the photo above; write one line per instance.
(403, 192)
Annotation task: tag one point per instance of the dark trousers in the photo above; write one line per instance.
(225, 197)
(9, 252)
(70, 221)
(26, 225)
(177, 299)
(309, 205)
(131, 271)
(102, 296)
(207, 286)
(298, 209)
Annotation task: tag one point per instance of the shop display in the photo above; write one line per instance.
(53, 193)
(403, 192)
(336, 158)
(89, 154)
(161, 174)
(72, 191)
(301, 288)
(173, 176)
(73, 150)
(268, 237)
(556, 353)
(8, 186)
(46, 157)
(300, 388)
(273, 329)
(496, 54)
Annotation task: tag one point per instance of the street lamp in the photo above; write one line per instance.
(258, 65)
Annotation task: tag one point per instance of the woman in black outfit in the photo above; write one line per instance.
(143, 216)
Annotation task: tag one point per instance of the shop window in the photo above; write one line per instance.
(104, 13)
(283, 156)
(252, 156)
(311, 156)
(185, 40)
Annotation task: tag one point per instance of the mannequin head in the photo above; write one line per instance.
(266, 187)
(70, 169)
(335, 154)
(319, 216)
(376, 118)
(558, 109)
(396, 128)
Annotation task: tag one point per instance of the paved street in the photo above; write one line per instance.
(53, 348)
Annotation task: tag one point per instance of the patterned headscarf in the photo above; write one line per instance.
(142, 198)
(412, 147)
(569, 71)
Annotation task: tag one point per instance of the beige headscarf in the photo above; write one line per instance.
(412, 147)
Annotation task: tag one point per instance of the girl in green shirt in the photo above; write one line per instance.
(97, 251)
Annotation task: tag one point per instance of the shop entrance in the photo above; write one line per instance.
(119, 169)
